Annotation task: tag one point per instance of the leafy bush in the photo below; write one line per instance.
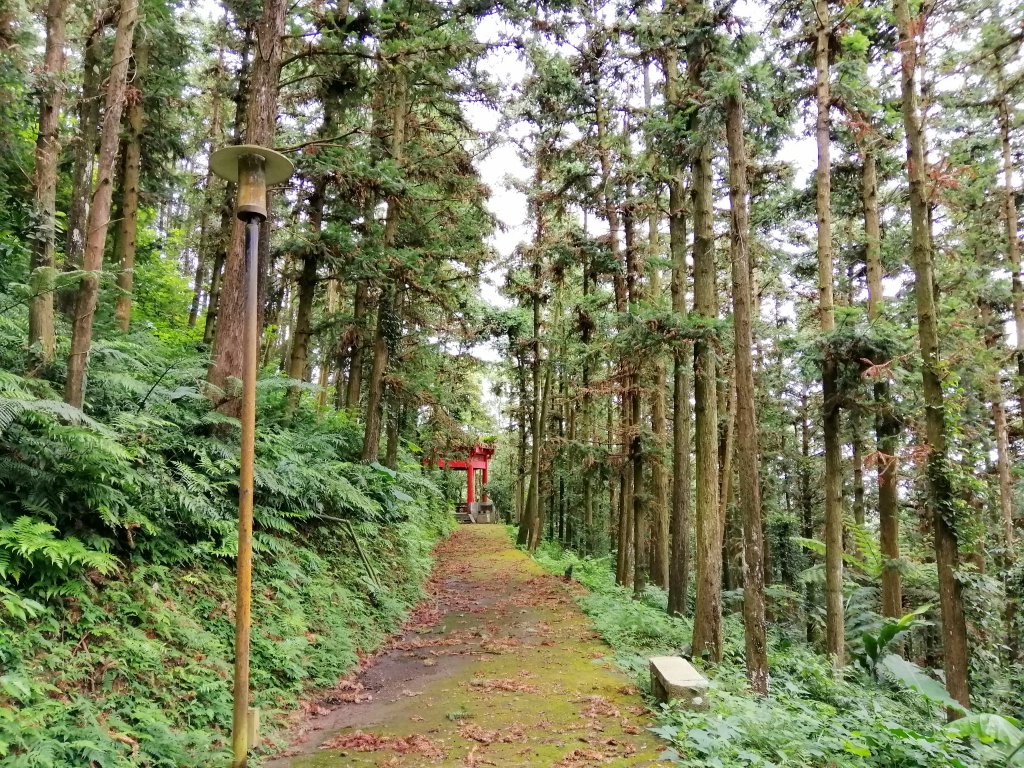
(811, 719)
(117, 543)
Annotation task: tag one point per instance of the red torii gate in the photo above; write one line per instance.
(477, 458)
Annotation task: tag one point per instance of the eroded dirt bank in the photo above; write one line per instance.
(498, 667)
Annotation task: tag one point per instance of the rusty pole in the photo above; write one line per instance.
(253, 168)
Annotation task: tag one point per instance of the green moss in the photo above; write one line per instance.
(554, 657)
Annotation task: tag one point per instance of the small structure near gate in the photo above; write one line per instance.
(476, 459)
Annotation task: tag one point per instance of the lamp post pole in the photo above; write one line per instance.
(253, 168)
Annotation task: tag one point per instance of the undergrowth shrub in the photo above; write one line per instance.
(117, 543)
(811, 719)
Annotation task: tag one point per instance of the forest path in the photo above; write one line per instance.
(497, 667)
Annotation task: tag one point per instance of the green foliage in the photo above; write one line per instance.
(877, 644)
(117, 540)
(30, 551)
(992, 729)
(912, 676)
(137, 672)
(810, 718)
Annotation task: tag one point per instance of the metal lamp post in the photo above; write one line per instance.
(253, 168)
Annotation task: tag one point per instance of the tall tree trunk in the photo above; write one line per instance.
(993, 340)
(624, 552)
(227, 213)
(658, 501)
(682, 363)
(353, 391)
(203, 247)
(299, 357)
(613, 477)
(125, 242)
(99, 210)
(530, 520)
(886, 425)
(1012, 235)
(393, 430)
(731, 533)
(806, 501)
(835, 631)
(521, 446)
(707, 623)
(940, 499)
(746, 418)
(638, 512)
(44, 186)
(1017, 290)
(85, 149)
(388, 329)
(260, 120)
(589, 532)
(217, 271)
(329, 355)
(537, 522)
(563, 417)
(857, 446)
(386, 319)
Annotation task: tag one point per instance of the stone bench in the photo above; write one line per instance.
(673, 678)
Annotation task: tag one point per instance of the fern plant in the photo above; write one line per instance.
(32, 556)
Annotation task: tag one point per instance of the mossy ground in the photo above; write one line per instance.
(497, 667)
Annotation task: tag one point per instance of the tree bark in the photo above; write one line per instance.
(746, 417)
(658, 501)
(707, 623)
(537, 522)
(203, 247)
(388, 330)
(85, 145)
(589, 531)
(940, 500)
(227, 213)
(624, 549)
(393, 430)
(531, 513)
(731, 534)
(127, 231)
(99, 210)
(299, 356)
(1017, 291)
(41, 332)
(378, 367)
(638, 512)
(1012, 235)
(993, 338)
(835, 632)
(353, 390)
(329, 351)
(806, 501)
(886, 425)
(682, 364)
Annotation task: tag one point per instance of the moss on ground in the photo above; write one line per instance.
(526, 681)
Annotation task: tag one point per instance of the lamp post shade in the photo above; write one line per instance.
(276, 167)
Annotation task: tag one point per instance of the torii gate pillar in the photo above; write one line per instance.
(477, 458)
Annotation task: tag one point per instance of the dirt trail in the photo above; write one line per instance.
(498, 667)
